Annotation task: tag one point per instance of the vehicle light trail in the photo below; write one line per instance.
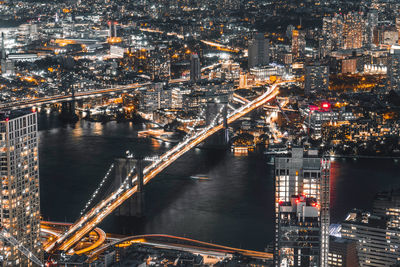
(89, 221)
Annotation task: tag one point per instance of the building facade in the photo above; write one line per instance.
(377, 244)
(393, 70)
(20, 202)
(316, 79)
(195, 69)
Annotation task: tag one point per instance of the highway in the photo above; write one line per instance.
(181, 243)
(52, 228)
(92, 218)
(79, 95)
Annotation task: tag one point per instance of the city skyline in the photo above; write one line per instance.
(208, 132)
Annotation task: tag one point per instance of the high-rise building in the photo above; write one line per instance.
(371, 23)
(388, 204)
(195, 69)
(346, 32)
(342, 252)
(393, 70)
(20, 203)
(316, 78)
(258, 51)
(353, 30)
(155, 98)
(6, 65)
(298, 43)
(301, 209)
(377, 244)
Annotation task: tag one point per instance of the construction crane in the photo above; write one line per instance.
(6, 236)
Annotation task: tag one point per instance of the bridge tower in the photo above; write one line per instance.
(134, 206)
(226, 130)
(68, 109)
(220, 139)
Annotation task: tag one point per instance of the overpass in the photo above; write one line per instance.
(128, 188)
(80, 95)
(179, 243)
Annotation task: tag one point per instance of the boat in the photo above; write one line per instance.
(200, 177)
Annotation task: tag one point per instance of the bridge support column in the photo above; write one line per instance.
(68, 111)
(139, 198)
(226, 131)
(134, 206)
(221, 139)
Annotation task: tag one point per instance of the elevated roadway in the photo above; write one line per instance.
(92, 218)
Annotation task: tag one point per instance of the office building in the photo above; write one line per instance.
(258, 51)
(377, 244)
(342, 252)
(301, 209)
(387, 204)
(195, 69)
(20, 203)
(316, 79)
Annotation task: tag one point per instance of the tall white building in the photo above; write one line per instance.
(19, 194)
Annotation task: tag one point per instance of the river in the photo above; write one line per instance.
(234, 207)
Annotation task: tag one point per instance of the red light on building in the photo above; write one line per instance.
(313, 108)
(326, 105)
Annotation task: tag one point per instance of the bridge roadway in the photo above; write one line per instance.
(54, 229)
(89, 221)
(79, 95)
(180, 243)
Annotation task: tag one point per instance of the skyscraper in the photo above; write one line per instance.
(301, 209)
(258, 51)
(195, 70)
(20, 203)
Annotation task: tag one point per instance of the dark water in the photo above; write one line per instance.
(234, 208)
